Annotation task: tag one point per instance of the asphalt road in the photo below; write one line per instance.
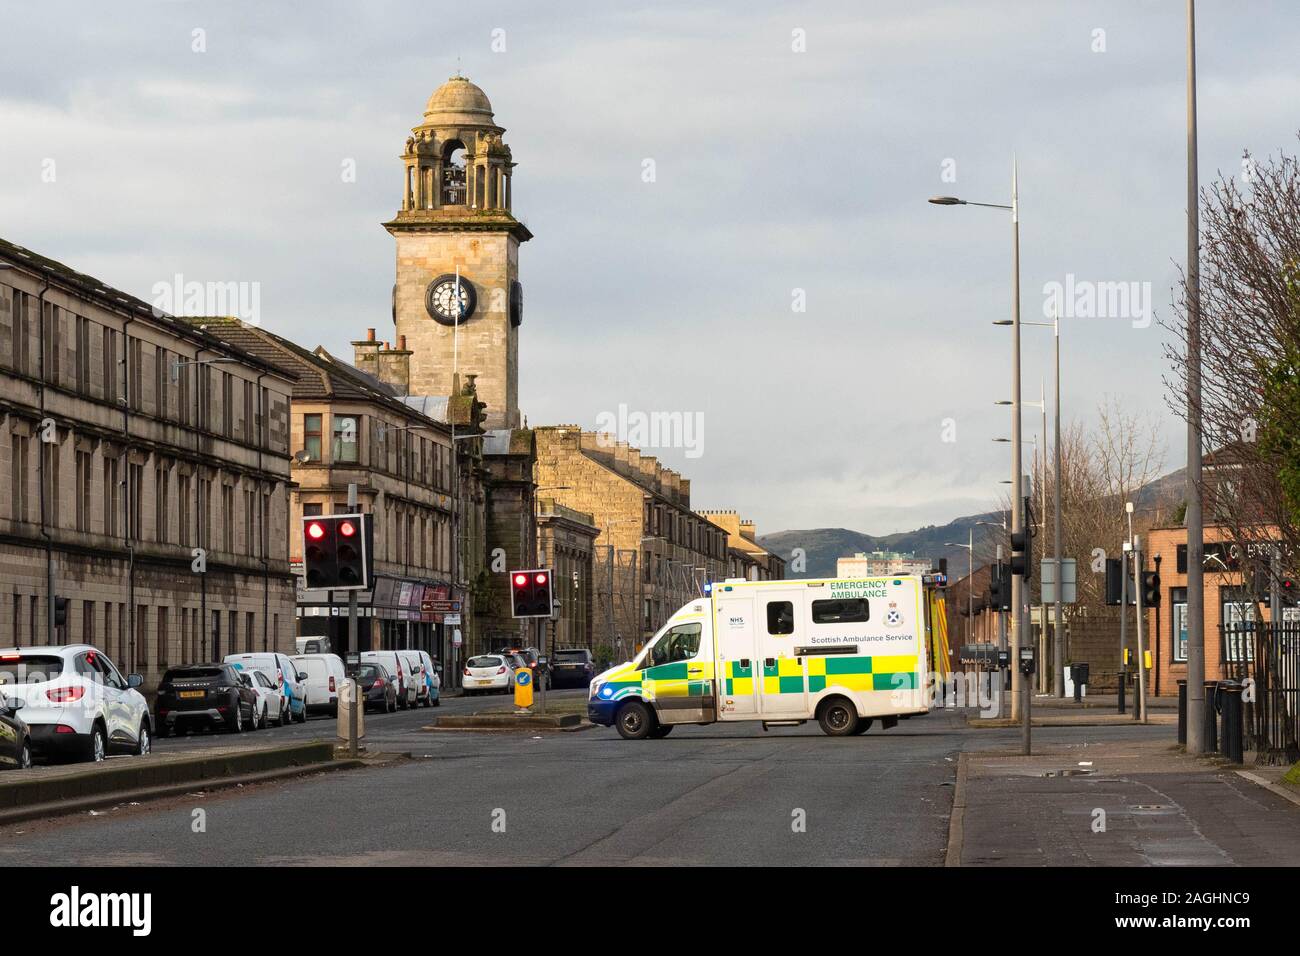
(730, 795)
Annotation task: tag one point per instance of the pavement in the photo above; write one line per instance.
(1133, 802)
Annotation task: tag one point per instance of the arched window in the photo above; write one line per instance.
(453, 173)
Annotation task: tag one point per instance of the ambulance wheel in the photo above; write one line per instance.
(634, 721)
(838, 717)
(661, 730)
(864, 724)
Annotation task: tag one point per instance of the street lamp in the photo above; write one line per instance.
(970, 577)
(1016, 579)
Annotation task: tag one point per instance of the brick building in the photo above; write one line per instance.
(746, 558)
(129, 439)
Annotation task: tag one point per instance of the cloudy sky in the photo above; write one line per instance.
(793, 147)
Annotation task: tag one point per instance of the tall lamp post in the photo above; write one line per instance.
(1017, 582)
(970, 577)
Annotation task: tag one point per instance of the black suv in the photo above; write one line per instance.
(205, 695)
(572, 667)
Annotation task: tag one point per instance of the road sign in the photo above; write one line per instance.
(1069, 591)
(451, 619)
(523, 687)
(440, 607)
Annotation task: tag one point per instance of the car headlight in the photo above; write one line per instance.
(591, 691)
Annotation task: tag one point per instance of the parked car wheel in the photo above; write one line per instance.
(238, 726)
(661, 730)
(143, 739)
(284, 714)
(96, 744)
(25, 756)
(302, 714)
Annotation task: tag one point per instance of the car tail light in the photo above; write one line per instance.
(64, 729)
(501, 669)
(65, 695)
(467, 673)
(331, 683)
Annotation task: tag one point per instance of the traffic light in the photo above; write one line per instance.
(530, 593)
(1288, 586)
(1022, 547)
(336, 552)
(1150, 589)
(999, 593)
(61, 611)
(1114, 581)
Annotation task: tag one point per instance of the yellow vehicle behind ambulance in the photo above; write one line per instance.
(841, 652)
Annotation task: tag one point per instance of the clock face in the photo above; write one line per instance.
(442, 304)
(516, 303)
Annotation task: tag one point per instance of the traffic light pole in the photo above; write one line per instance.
(541, 656)
(354, 743)
(1140, 711)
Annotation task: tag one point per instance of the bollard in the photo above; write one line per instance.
(1182, 712)
(1230, 705)
(1123, 679)
(1211, 741)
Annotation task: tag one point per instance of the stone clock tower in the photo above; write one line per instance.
(456, 215)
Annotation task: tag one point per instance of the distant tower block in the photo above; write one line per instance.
(456, 214)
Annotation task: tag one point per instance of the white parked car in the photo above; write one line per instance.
(284, 673)
(488, 672)
(432, 678)
(270, 703)
(75, 701)
(399, 667)
(325, 676)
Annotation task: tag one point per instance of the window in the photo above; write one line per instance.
(50, 480)
(111, 497)
(311, 510)
(110, 365)
(311, 432)
(345, 437)
(227, 405)
(163, 614)
(250, 519)
(780, 617)
(227, 519)
(85, 462)
(205, 513)
(250, 417)
(679, 644)
(22, 332)
(83, 355)
(204, 386)
(849, 611)
(135, 490)
(183, 510)
(161, 364)
(162, 501)
(135, 393)
(249, 626)
(1237, 619)
(88, 622)
(141, 637)
(1178, 622)
(18, 477)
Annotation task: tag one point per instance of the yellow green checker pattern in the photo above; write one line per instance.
(856, 672)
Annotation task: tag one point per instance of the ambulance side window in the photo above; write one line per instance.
(680, 644)
(849, 611)
(780, 617)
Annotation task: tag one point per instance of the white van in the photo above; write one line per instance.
(432, 678)
(399, 666)
(325, 676)
(285, 674)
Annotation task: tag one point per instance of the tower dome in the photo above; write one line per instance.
(458, 102)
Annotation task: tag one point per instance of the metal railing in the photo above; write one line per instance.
(1266, 659)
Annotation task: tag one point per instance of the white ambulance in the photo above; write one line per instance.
(841, 652)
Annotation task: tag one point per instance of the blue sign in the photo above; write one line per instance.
(523, 678)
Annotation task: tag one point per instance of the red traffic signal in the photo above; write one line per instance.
(336, 552)
(530, 593)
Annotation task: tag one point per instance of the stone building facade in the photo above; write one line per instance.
(653, 553)
(129, 439)
(566, 541)
(349, 427)
(746, 558)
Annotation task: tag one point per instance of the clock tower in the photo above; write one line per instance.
(456, 220)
